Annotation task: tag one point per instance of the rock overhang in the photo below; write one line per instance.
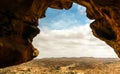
(19, 25)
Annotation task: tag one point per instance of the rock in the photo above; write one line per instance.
(19, 21)
(107, 20)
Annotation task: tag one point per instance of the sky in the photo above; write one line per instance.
(66, 33)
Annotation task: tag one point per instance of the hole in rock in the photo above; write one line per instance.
(66, 33)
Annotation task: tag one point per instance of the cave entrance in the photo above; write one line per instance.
(66, 33)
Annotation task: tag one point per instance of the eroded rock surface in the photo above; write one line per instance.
(19, 21)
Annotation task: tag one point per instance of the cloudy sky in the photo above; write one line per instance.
(66, 33)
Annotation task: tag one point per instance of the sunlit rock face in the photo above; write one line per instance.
(19, 21)
(107, 20)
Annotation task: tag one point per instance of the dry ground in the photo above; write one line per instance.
(66, 66)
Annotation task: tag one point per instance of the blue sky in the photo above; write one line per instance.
(67, 18)
(66, 33)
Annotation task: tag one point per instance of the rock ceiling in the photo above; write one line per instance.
(19, 21)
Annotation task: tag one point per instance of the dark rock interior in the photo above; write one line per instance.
(19, 25)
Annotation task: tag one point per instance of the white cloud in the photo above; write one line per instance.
(73, 42)
(63, 36)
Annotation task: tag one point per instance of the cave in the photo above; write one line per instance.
(19, 25)
(66, 33)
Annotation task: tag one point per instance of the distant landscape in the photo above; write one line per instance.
(83, 65)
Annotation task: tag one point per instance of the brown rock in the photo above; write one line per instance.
(107, 19)
(19, 21)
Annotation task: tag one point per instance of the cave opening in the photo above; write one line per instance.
(66, 33)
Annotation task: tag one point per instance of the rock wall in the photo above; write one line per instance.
(19, 21)
(107, 20)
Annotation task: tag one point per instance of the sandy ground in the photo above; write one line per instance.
(66, 66)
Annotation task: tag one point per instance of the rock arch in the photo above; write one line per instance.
(19, 21)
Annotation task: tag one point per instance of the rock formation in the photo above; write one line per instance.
(19, 21)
